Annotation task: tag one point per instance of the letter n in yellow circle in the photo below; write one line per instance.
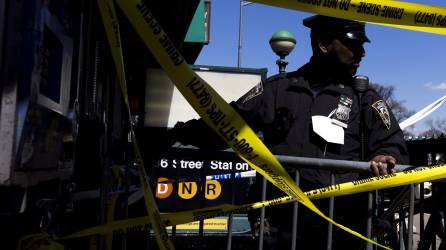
(213, 189)
(187, 190)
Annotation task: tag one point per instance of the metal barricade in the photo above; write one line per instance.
(399, 210)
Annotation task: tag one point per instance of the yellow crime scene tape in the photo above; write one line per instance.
(213, 109)
(40, 241)
(111, 24)
(396, 14)
(373, 183)
(111, 202)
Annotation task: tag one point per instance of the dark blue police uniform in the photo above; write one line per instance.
(283, 111)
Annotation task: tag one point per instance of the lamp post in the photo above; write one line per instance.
(282, 43)
(240, 30)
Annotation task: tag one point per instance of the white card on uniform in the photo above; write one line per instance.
(330, 132)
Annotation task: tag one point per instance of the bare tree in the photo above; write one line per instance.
(436, 128)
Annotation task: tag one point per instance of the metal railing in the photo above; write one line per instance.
(402, 205)
(329, 165)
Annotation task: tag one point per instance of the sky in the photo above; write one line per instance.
(413, 62)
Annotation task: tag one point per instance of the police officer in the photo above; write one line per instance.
(284, 109)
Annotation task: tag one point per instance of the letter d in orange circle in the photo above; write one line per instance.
(164, 188)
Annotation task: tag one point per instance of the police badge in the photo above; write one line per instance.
(342, 113)
(381, 107)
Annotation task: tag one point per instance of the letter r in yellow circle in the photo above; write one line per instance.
(213, 189)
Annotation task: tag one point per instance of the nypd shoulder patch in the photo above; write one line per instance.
(255, 91)
(381, 107)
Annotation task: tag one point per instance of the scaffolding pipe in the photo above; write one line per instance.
(295, 215)
(262, 215)
(410, 219)
(330, 215)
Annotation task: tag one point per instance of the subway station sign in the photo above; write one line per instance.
(192, 178)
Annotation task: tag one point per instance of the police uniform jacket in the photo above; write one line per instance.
(282, 109)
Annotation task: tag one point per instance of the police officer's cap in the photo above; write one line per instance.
(336, 26)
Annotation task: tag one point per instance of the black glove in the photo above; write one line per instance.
(195, 132)
(174, 134)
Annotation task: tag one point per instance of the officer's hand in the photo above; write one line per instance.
(174, 134)
(377, 167)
